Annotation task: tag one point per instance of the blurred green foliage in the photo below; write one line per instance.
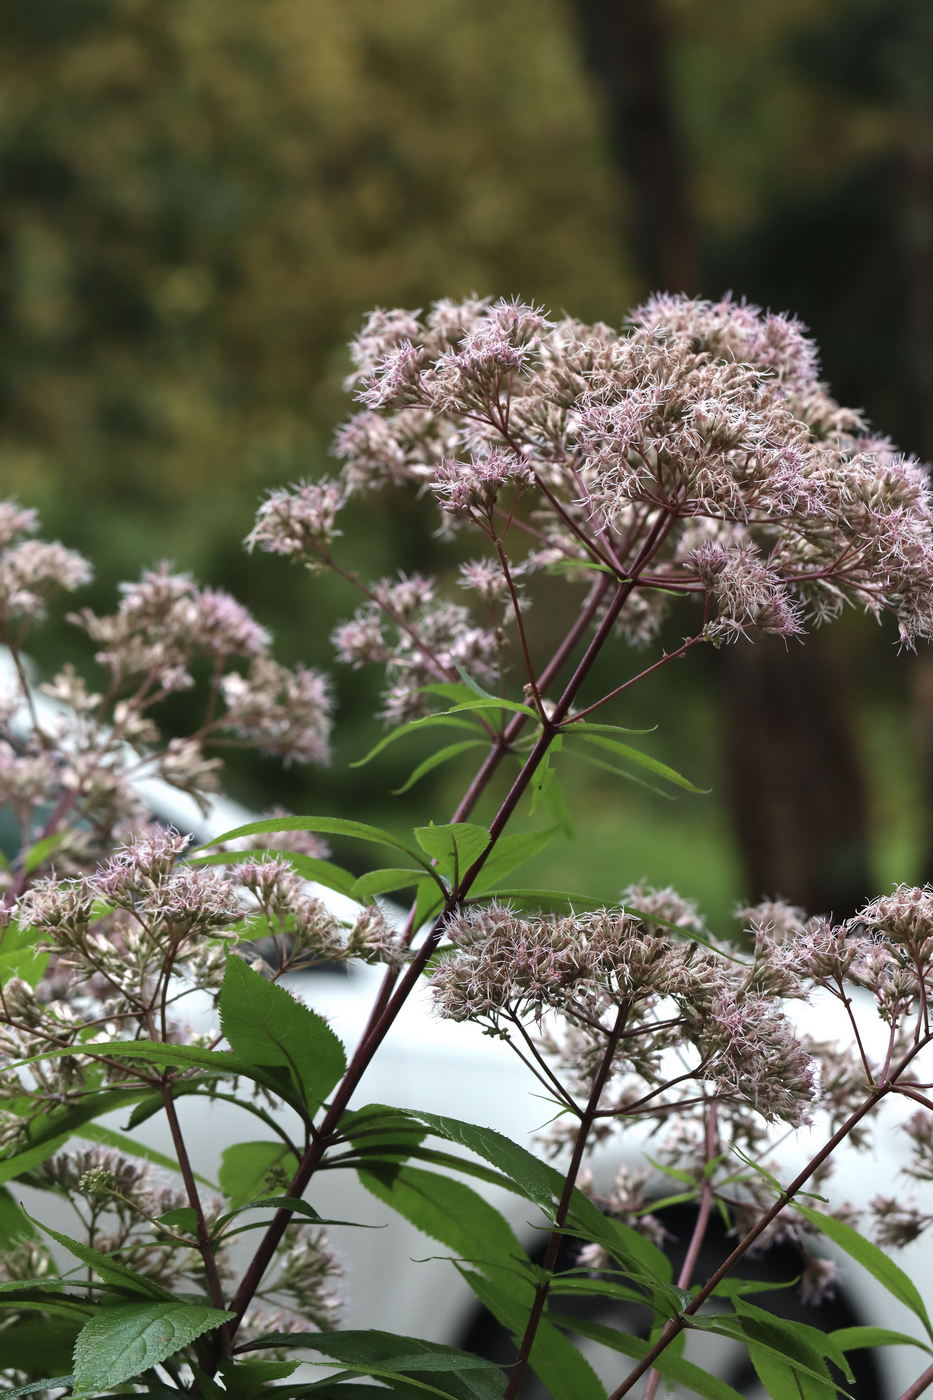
(201, 201)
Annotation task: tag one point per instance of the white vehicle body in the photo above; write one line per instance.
(438, 1066)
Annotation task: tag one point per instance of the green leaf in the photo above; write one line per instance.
(546, 787)
(783, 1381)
(379, 1126)
(122, 1342)
(326, 826)
(268, 1028)
(388, 880)
(245, 1380)
(435, 760)
(642, 760)
(871, 1258)
(45, 1341)
(559, 1365)
(535, 1179)
(543, 1184)
(15, 1224)
(584, 726)
(291, 1203)
(855, 1338)
(436, 721)
(509, 853)
(454, 847)
(789, 1353)
(382, 1354)
(673, 1369)
(245, 1167)
(154, 1052)
(41, 851)
(447, 1210)
(591, 761)
(323, 872)
(53, 1383)
(106, 1266)
(478, 706)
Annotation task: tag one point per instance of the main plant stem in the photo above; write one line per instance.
(549, 1262)
(379, 1027)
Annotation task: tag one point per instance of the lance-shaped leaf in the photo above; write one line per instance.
(433, 1368)
(106, 1266)
(509, 853)
(636, 757)
(561, 1367)
(325, 826)
(323, 872)
(888, 1274)
(673, 1369)
(268, 1028)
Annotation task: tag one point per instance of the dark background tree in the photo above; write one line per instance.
(201, 201)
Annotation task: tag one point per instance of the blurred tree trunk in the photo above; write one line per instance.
(795, 781)
(918, 204)
(626, 48)
(794, 775)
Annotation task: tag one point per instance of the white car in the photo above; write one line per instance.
(393, 1281)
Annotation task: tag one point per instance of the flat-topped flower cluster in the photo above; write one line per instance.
(696, 453)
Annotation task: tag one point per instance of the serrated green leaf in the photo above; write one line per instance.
(543, 1184)
(106, 1266)
(536, 1180)
(783, 1380)
(435, 760)
(447, 1210)
(161, 1054)
(268, 1028)
(49, 1131)
(245, 1167)
(790, 1353)
(878, 1264)
(123, 1342)
(590, 1285)
(454, 847)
